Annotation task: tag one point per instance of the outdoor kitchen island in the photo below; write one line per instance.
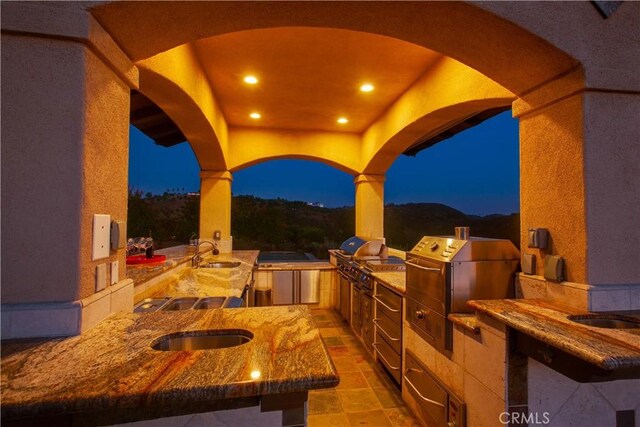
(111, 374)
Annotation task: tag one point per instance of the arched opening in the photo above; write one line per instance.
(469, 179)
(292, 205)
(163, 199)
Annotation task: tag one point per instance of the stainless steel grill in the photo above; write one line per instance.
(443, 273)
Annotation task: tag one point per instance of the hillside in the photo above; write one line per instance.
(278, 224)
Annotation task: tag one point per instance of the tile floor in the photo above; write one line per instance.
(366, 396)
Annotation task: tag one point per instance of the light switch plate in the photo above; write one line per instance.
(114, 272)
(101, 277)
(101, 236)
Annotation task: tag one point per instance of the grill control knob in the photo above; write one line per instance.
(434, 246)
(420, 314)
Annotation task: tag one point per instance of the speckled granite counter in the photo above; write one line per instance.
(113, 367)
(394, 279)
(609, 349)
(202, 282)
(316, 265)
(175, 256)
(465, 321)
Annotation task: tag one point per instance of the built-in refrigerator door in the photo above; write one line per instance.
(309, 286)
(283, 288)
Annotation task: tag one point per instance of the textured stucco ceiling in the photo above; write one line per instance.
(309, 76)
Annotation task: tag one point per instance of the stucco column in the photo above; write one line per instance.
(65, 140)
(580, 179)
(369, 206)
(215, 205)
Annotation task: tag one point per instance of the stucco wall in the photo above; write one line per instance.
(552, 192)
(608, 49)
(42, 127)
(64, 158)
(612, 179)
(105, 156)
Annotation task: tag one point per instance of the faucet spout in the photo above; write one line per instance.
(195, 260)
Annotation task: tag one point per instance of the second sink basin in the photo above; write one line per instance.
(609, 321)
(202, 340)
(177, 304)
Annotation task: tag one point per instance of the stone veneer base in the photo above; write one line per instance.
(61, 319)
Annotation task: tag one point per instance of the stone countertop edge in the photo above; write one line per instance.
(396, 280)
(279, 266)
(113, 366)
(466, 321)
(609, 349)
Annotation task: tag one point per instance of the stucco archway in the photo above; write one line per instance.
(574, 72)
(521, 61)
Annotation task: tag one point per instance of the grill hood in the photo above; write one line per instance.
(359, 247)
(449, 249)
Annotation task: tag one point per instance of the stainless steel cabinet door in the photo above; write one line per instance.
(345, 298)
(309, 286)
(283, 292)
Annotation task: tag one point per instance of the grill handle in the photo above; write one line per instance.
(416, 390)
(430, 269)
(385, 332)
(375, 347)
(393, 310)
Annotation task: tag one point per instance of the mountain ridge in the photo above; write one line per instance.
(285, 225)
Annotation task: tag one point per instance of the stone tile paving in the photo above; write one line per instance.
(366, 396)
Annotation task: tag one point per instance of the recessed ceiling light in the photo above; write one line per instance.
(255, 116)
(343, 120)
(367, 87)
(251, 80)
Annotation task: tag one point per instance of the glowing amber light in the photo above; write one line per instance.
(255, 375)
(367, 87)
(343, 120)
(251, 80)
(255, 116)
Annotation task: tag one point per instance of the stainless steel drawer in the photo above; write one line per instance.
(437, 406)
(388, 303)
(430, 325)
(391, 332)
(389, 358)
(428, 394)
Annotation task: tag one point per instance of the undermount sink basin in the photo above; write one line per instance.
(202, 340)
(221, 264)
(609, 321)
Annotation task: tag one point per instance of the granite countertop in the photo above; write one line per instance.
(176, 256)
(201, 282)
(609, 349)
(302, 265)
(466, 321)
(113, 366)
(394, 279)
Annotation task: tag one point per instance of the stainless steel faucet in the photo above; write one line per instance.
(195, 260)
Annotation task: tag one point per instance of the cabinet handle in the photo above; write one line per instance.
(416, 390)
(430, 269)
(384, 332)
(375, 347)
(393, 310)
(420, 314)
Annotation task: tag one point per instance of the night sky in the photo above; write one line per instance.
(476, 171)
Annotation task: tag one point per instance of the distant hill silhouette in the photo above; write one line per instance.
(279, 224)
